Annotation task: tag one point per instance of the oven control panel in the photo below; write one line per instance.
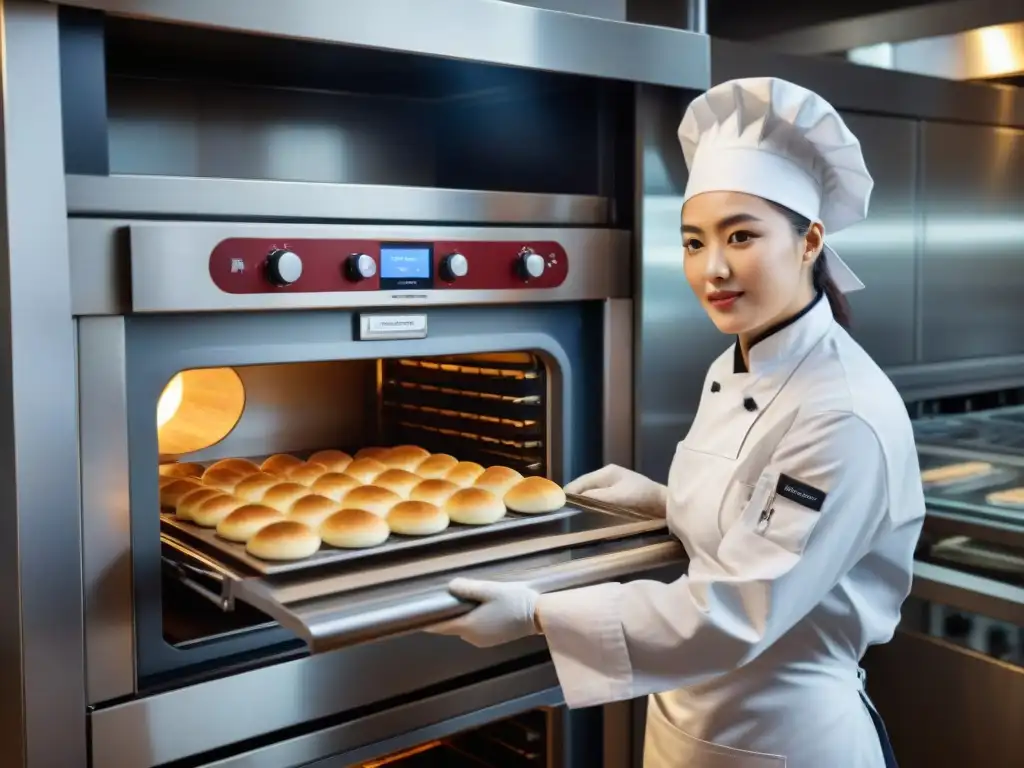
(263, 266)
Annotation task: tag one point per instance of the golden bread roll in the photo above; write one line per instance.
(354, 529)
(416, 518)
(223, 479)
(284, 540)
(334, 485)
(283, 495)
(164, 480)
(365, 470)
(372, 499)
(313, 510)
(171, 493)
(535, 496)
(1009, 497)
(255, 486)
(398, 480)
(465, 473)
(474, 506)
(406, 457)
(280, 463)
(241, 466)
(182, 469)
(216, 508)
(190, 501)
(498, 480)
(335, 461)
(306, 474)
(952, 473)
(436, 466)
(371, 452)
(433, 491)
(246, 521)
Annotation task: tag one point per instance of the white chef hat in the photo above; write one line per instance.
(768, 137)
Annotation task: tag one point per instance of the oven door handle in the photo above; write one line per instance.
(326, 627)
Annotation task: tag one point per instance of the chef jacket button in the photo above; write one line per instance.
(749, 404)
(715, 386)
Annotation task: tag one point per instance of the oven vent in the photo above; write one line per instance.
(490, 409)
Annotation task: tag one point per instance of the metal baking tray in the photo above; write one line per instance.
(969, 495)
(996, 431)
(396, 543)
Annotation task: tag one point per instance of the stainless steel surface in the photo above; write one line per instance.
(128, 195)
(946, 706)
(42, 666)
(424, 720)
(871, 90)
(968, 592)
(334, 623)
(617, 392)
(504, 33)
(169, 726)
(170, 267)
(957, 377)
(328, 556)
(971, 197)
(697, 16)
(941, 522)
(106, 512)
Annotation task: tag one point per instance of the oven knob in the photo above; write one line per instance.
(454, 266)
(283, 267)
(531, 265)
(360, 267)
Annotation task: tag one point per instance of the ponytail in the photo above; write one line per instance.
(821, 280)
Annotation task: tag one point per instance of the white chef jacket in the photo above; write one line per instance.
(797, 496)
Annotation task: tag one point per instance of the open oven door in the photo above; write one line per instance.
(340, 606)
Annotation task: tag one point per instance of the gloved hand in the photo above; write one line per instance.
(505, 613)
(613, 484)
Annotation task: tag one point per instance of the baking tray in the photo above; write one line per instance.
(969, 495)
(396, 543)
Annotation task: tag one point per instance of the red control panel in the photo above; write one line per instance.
(257, 265)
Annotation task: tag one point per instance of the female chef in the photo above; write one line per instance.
(796, 493)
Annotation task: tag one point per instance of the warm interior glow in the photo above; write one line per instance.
(997, 49)
(198, 408)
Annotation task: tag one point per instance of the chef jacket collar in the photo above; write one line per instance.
(792, 337)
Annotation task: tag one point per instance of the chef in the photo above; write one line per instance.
(796, 492)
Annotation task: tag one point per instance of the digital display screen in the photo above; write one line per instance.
(405, 262)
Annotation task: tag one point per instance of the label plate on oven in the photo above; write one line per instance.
(377, 327)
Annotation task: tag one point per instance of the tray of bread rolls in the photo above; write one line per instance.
(283, 513)
(982, 487)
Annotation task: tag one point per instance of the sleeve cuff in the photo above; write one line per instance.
(587, 643)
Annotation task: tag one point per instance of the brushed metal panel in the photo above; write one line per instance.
(881, 249)
(972, 195)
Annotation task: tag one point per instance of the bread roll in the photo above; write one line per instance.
(241, 466)
(474, 506)
(313, 510)
(952, 473)
(280, 463)
(306, 474)
(436, 466)
(416, 518)
(371, 452)
(334, 485)
(465, 473)
(406, 457)
(171, 493)
(498, 480)
(213, 510)
(535, 496)
(365, 470)
(255, 486)
(284, 540)
(372, 499)
(398, 480)
(165, 480)
(283, 495)
(433, 491)
(192, 499)
(335, 461)
(182, 469)
(1009, 497)
(246, 521)
(354, 529)
(223, 479)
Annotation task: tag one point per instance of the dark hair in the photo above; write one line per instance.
(820, 277)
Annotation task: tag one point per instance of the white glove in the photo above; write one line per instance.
(505, 613)
(613, 484)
